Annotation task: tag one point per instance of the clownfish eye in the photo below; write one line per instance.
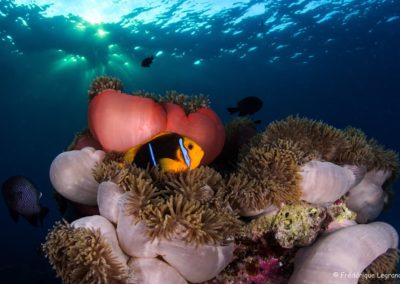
(190, 146)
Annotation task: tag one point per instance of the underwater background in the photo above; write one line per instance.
(335, 61)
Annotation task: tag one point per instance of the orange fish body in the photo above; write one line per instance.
(169, 151)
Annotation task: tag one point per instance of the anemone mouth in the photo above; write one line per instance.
(90, 258)
(102, 83)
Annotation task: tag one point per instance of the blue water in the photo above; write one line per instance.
(336, 61)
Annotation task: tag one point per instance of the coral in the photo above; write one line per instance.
(340, 215)
(257, 260)
(291, 225)
(298, 225)
(103, 83)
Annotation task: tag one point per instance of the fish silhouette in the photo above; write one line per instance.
(147, 61)
(22, 199)
(247, 106)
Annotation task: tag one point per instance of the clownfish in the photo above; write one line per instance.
(169, 151)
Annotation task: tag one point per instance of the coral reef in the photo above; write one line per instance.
(289, 204)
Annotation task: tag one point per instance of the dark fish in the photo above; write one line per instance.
(147, 61)
(22, 198)
(246, 106)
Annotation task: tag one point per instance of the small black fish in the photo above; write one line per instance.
(147, 61)
(22, 198)
(246, 106)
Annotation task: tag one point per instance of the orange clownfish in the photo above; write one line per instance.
(169, 151)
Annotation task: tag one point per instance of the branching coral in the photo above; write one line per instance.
(102, 83)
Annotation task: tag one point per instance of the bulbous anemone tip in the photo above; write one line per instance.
(102, 83)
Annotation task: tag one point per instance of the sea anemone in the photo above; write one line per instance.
(368, 198)
(86, 251)
(103, 83)
(341, 257)
(325, 182)
(71, 175)
(120, 121)
(203, 126)
(268, 174)
(310, 135)
(154, 271)
(188, 103)
(83, 139)
(178, 216)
